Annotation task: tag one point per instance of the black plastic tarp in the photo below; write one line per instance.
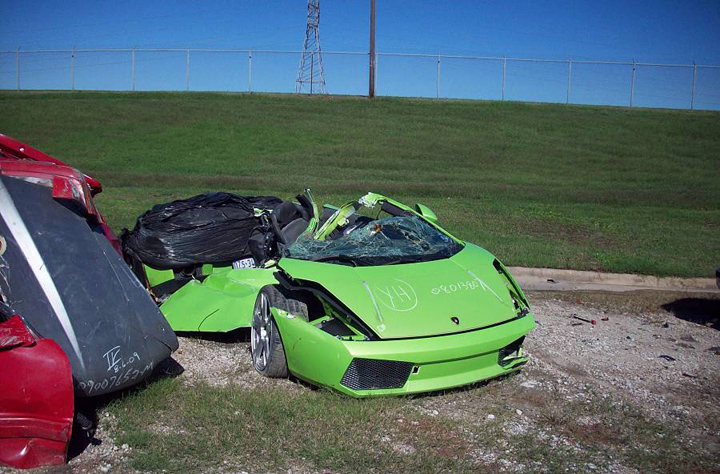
(208, 228)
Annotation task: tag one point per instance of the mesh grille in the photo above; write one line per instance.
(368, 374)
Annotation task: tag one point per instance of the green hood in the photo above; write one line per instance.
(445, 296)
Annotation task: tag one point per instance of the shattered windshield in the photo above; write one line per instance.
(400, 239)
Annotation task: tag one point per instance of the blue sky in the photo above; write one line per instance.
(657, 31)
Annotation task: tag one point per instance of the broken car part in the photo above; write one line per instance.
(60, 268)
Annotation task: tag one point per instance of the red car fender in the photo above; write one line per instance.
(36, 398)
(23, 161)
(20, 151)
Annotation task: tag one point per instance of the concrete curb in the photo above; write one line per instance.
(550, 279)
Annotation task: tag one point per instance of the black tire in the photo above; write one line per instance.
(266, 347)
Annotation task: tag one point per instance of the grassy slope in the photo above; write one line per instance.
(538, 185)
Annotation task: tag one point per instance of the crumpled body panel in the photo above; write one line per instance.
(36, 398)
(13, 333)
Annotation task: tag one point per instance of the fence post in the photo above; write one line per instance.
(632, 83)
(569, 84)
(250, 71)
(132, 67)
(692, 92)
(72, 69)
(437, 78)
(504, 64)
(187, 70)
(377, 68)
(17, 67)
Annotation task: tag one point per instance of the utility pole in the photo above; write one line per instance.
(373, 57)
(311, 74)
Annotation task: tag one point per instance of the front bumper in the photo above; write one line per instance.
(433, 363)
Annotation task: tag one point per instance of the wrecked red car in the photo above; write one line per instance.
(61, 269)
(36, 401)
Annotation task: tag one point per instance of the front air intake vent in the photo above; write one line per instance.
(369, 374)
(510, 353)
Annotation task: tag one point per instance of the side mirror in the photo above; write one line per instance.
(426, 212)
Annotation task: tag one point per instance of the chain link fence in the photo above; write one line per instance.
(621, 83)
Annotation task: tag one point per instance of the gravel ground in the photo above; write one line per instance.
(665, 366)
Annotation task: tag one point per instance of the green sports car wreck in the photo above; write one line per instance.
(371, 298)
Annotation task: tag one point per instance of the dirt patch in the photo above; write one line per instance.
(563, 231)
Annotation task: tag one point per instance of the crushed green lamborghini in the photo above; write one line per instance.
(371, 298)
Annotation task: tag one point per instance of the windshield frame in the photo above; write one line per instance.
(371, 201)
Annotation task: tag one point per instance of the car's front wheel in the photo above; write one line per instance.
(268, 354)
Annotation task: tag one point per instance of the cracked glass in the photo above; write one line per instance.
(399, 239)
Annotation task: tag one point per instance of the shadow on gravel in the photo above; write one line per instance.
(464, 388)
(703, 311)
(238, 335)
(86, 409)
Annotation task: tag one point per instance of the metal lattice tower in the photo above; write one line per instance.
(311, 74)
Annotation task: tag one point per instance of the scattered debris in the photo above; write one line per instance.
(591, 321)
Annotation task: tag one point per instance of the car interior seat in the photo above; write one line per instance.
(292, 219)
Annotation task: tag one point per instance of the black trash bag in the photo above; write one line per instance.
(208, 228)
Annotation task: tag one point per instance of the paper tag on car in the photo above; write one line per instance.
(244, 263)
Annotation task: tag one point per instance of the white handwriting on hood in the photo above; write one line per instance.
(474, 284)
(398, 296)
(115, 361)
